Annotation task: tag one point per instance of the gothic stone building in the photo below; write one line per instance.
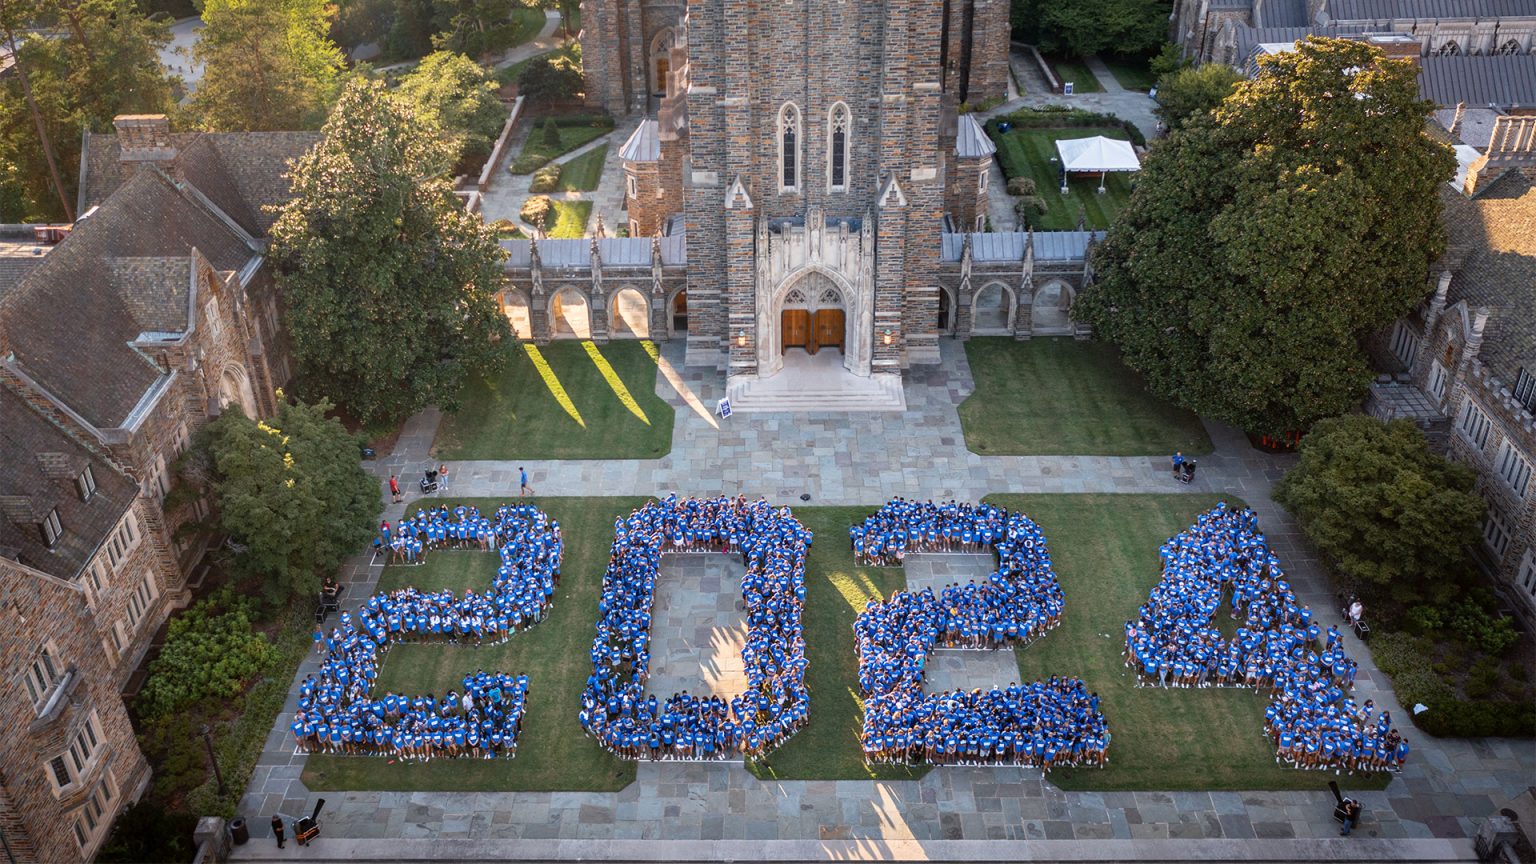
(154, 313)
(815, 183)
(1464, 362)
(1229, 31)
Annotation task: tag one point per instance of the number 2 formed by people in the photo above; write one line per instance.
(1043, 724)
(338, 713)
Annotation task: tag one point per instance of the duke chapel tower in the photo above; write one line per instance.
(814, 150)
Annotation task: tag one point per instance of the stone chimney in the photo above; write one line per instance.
(1511, 147)
(144, 138)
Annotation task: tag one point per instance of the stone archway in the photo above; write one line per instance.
(1051, 313)
(514, 305)
(570, 314)
(946, 322)
(235, 389)
(677, 314)
(661, 61)
(992, 310)
(810, 313)
(629, 315)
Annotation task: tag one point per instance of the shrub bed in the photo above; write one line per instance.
(1062, 117)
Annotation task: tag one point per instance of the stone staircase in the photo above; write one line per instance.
(842, 394)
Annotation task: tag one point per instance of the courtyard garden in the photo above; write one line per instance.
(1028, 150)
(1105, 552)
(555, 136)
(1073, 69)
(1059, 396)
(568, 400)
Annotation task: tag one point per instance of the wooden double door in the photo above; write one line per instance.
(812, 331)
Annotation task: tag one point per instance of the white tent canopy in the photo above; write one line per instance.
(1097, 154)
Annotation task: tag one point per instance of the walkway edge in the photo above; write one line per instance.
(1333, 849)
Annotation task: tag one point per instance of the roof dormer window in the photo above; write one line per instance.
(86, 484)
(51, 527)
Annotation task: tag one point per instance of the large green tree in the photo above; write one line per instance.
(459, 95)
(1083, 27)
(1376, 501)
(267, 65)
(389, 282)
(78, 64)
(1192, 91)
(1263, 244)
(293, 492)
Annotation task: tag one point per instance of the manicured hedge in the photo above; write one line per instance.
(1060, 117)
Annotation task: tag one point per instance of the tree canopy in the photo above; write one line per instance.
(1263, 244)
(389, 283)
(98, 59)
(553, 77)
(472, 27)
(1191, 90)
(1083, 27)
(1379, 504)
(459, 96)
(267, 65)
(293, 491)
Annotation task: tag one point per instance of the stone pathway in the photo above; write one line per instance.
(543, 43)
(676, 811)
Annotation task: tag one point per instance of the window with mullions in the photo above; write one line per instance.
(1525, 390)
(789, 148)
(838, 122)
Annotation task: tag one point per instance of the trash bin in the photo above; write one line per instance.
(239, 831)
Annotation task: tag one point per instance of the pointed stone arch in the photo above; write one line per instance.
(993, 310)
(1051, 309)
(629, 314)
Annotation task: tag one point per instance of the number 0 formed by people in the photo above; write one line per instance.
(615, 708)
(338, 711)
(1046, 723)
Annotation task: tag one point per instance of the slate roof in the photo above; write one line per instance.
(70, 320)
(243, 173)
(1283, 13)
(41, 462)
(577, 253)
(1497, 228)
(1378, 10)
(971, 141)
(1504, 80)
(1009, 245)
(644, 145)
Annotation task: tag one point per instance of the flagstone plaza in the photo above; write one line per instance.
(678, 811)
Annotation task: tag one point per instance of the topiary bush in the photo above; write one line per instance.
(1021, 186)
(536, 211)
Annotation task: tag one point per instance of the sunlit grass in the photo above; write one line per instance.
(552, 381)
(614, 382)
(557, 402)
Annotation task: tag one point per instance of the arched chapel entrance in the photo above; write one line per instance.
(813, 316)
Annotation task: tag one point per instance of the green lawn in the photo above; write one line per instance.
(1028, 153)
(582, 173)
(570, 221)
(1075, 70)
(1104, 548)
(1131, 71)
(553, 753)
(1058, 396)
(537, 152)
(567, 400)
(835, 593)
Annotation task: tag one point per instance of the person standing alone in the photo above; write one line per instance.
(394, 489)
(523, 481)
(277, 829)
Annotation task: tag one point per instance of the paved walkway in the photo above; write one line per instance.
(1132, 105)
(679, 811)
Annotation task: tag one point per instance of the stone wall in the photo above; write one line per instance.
(38, 820)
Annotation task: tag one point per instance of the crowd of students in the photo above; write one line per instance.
(409, 540)
(1278, 648)
(615, 709)
(1044, 723)
(337, 711)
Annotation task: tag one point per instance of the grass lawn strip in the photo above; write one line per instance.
(570, 219)
(1105, 551)
(1028, 153)
(553, 754)
(1077, 72)
(1132, 73)
(582, 173)
(557, 402)
(1058, 396)
(571, 137)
